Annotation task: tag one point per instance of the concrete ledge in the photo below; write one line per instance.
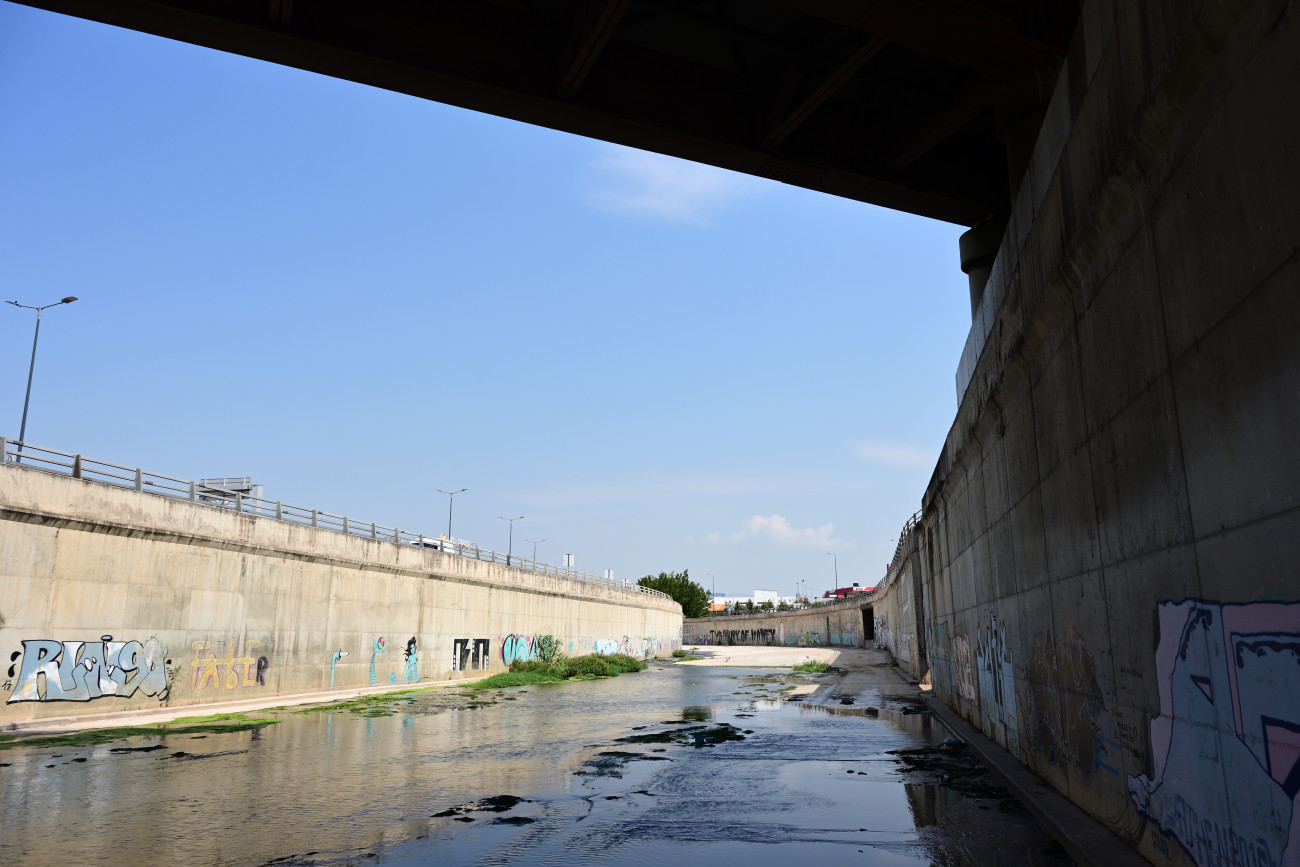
(1085, 840)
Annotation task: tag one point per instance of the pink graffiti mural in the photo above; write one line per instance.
(1225, 748)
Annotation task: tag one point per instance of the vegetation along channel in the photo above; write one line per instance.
(754, 762)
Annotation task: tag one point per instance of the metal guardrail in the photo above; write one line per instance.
(28, 456)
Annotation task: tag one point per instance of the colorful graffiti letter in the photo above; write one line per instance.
(85, 670)
(1226, 745)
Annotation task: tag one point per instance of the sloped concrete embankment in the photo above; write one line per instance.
(113, 600)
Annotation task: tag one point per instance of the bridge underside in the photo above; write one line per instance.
(884, 102)
(1103, 579)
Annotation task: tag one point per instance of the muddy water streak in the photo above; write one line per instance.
(331, 788)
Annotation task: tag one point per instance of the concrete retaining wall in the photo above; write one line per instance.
(839, 624)
(1108, 551)
(115, 600)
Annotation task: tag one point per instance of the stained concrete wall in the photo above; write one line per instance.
(1108, 548)
(115, 600)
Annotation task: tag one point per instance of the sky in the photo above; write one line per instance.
(359, 298)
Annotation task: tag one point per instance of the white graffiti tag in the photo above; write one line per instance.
(85, 670)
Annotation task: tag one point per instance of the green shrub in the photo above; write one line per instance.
(516, 678)
(548, 649)
(679, 653)
(521, 665)
(621, 662)
(588, 666)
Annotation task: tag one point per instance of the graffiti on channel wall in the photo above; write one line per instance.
(517, 647)
(997, 677)
(412, 657)
(467, 656)
(1067, 706)
(1228, 677)
(941, 662)
(229, 671)
(85, 670)
(334, 661)
(962, 669)
(378, 649)
(743, 636)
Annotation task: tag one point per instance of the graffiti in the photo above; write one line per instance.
(517, 647)
(1067, 706)
(378, 649)
(412, 661)
(604, 646)
(334, 661)
(1228, 677)
(941, 662)
(466, 656)
(86, 670)
(997, 680)
(743, 636)
(229, 671)
(962, 668)
(884, 635)
(649, 648)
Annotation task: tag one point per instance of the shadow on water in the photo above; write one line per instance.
(664, 764)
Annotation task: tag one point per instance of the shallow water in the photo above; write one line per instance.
(636, 769)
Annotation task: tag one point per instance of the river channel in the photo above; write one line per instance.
(677, 764)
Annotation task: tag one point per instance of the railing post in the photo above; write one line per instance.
(76, 466)
(345, 526)
(194, 492)
(313, 518)
(4, 450)
(279, 511)
(397, 536)
(139, 479)
(239, 502)
(374, 530)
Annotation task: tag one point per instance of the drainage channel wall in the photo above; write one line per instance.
(116, 600)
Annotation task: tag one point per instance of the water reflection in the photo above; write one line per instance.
(738, 774)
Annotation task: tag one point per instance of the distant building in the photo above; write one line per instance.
(846, 592)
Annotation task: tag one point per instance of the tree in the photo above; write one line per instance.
(749, 604)
(767, 605)
(693, 598)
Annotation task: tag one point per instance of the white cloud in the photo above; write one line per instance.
(897, 454)
(712, 537)
(644, 184)
(777, 529)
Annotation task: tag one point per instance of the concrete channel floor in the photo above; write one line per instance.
(867, 672)
(862, 684)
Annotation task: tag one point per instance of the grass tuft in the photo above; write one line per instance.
(813, 665)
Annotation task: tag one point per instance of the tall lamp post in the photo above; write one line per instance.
(510, 550)
(714, 597)
(451, 501)
(836, 558)
(22, 430)
(535, 542)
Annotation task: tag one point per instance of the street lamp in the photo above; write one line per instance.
(451, 500)
(510, 550)
(535, 544)
(836, 558)
(22, 431)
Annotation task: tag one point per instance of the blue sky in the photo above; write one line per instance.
(358, 298)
